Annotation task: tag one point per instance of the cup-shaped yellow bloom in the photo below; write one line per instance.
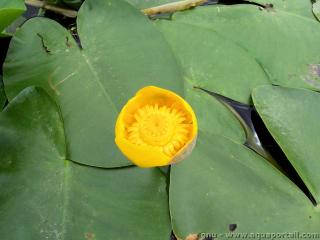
(156, 128)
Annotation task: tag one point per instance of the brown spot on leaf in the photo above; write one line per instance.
(313, 77)
(89, 236)
(192, 236)
(268, 6)
(50, 82)
(314, 70)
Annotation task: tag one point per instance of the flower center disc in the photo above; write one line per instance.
(162, 127)
(156, 129)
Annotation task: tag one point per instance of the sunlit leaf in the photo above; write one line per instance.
(45, 196)
(224, 183)
(281, 42)
(91, 83)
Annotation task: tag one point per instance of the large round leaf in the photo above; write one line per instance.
(211, 62)
(91, 84)
(223, 183)
(292, 116)
(283, 43)
(44, 196)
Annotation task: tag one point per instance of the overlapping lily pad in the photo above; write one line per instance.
(270, 36)
(292, 117)
(229, 50)
(213, 116)
(223, 183)
(232, 185)
(45, 196)
(91, 83)
(211, 62)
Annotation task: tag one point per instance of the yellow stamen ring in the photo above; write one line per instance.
(162, 127)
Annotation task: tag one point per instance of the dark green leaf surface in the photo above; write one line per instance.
(215, 64)
(224, 183)
(91, 84)
(212, 62)
(292, 117)
(212, 116)
(44, 196)
(9, 11)
(229, 50)
(283, 43)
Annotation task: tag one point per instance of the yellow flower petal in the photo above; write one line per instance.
(156, 127)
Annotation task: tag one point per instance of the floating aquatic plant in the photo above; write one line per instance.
(156, 127)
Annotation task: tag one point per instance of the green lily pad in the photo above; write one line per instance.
(92, 83)
(211, 62)
(223, 183)
(213, 116)
(9, 11)
(292, 117)
(45, 196)
(283, 43)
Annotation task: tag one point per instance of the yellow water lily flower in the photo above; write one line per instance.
(156, 128)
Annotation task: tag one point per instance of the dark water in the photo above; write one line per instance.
(259, 139)
(4, 44)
